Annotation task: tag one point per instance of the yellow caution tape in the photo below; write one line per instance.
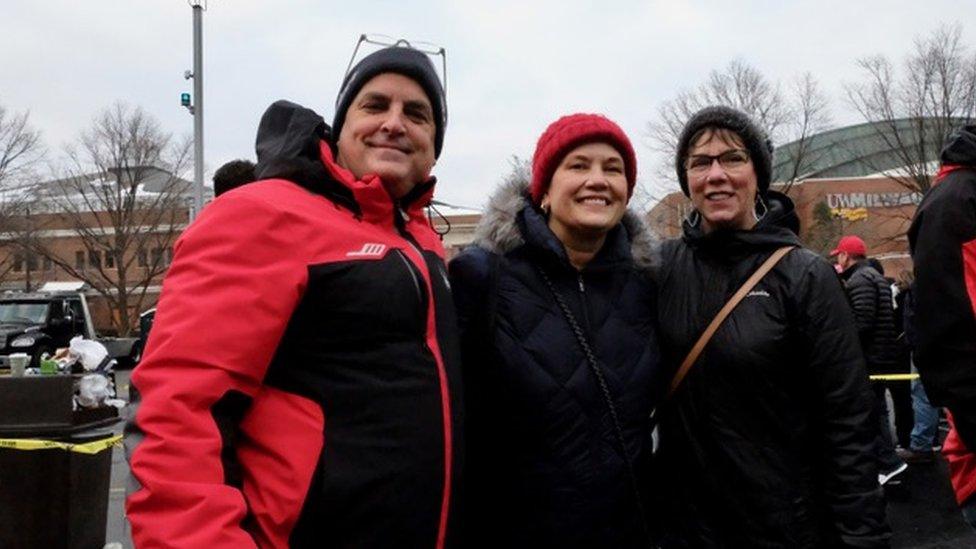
(89, 448)
(893, 377)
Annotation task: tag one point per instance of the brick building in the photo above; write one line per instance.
(23, 268)
(52, 233)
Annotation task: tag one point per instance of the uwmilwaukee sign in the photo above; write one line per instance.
(872, 200)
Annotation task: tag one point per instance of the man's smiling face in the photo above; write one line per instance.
(389, 131)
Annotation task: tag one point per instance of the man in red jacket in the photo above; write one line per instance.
(299, 387)
(943, 242)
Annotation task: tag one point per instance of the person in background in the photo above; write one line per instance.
(560, 358)
(900, 390)
(768, 440)
(300, 386)
(869, 295)
(942, 238)
(231, 175)
(924, 437)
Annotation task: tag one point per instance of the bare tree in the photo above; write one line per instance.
(21, 152)
(809, 115)
(20, 147)
(739, 85)
(124, 200)
(911, 112)
(794, 117)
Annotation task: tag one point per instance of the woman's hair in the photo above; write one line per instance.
(725, 135)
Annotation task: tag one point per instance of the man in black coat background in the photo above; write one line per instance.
(870, 297)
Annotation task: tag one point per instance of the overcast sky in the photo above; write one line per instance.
(513, 66)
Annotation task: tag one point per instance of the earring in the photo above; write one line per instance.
(545, 209)
(694, 218)
(762, 205)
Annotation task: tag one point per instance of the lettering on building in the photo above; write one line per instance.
(872, 200)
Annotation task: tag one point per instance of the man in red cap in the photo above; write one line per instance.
(870, 297)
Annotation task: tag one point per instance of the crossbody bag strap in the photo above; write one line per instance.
(601, 379)
(741, 293)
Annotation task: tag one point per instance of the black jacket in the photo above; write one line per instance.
(768, 441)
(870, 297)
(943, 242)
(544, 466)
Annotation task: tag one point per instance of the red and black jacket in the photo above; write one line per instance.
(299, 385)
(943, 243)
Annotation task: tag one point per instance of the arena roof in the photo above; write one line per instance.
(861, 150)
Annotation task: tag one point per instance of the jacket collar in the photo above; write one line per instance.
(510, 221)
(776, 229)
(293, 144)
(371, 195)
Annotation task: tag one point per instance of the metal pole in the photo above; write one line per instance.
(27, 251)
(197, 108)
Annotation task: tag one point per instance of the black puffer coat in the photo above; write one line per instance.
(544, 467)
(874, 316)
(768, 442)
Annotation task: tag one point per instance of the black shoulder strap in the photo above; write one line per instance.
(491, 293)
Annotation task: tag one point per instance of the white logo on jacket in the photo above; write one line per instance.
(758, 293)
(369, 249)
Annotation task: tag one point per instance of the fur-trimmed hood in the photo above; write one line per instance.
(498, 231)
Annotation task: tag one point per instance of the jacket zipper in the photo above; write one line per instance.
(583, 300)
(399, 221)
(416, 282)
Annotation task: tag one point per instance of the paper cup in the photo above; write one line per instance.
(18, 363)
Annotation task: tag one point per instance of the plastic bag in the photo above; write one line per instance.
(93, 390)
(90, 353)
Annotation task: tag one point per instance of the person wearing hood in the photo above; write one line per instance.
(767, 441)
(942, 238)
(560, 360)
(300, 385)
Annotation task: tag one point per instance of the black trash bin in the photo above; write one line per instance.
(53, 493)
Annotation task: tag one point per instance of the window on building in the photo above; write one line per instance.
(32, 262)
(95, 258)
(48, 264)
(79, 260)
(157, 256)
(109, 259)
(142, 258)
(18, 263)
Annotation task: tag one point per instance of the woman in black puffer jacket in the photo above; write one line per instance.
(545, 464)
(768, 440)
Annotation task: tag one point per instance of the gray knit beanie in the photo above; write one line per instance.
(409, 62)
(753, 137)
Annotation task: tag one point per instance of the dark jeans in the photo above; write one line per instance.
(926, 430)
(901, 397)
(884, 447)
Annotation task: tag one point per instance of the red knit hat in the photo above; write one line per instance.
(569, 132)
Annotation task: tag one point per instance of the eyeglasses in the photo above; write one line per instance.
(385, 41)
(731, 161)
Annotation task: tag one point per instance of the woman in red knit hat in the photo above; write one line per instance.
(560, 355)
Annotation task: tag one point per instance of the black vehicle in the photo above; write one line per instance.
(39, 323)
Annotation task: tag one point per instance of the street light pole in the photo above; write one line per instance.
(198, 7)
